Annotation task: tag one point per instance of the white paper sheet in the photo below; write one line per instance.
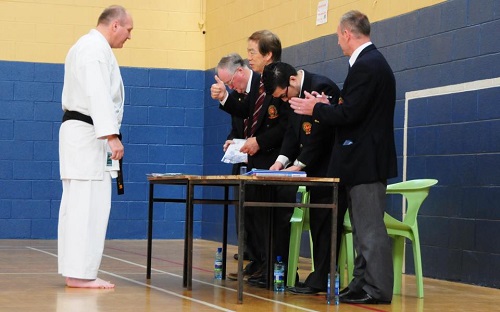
(233, 154)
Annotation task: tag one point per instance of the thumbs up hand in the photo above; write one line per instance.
(218, 89)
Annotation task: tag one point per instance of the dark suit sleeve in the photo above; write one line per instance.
(356, 100)
(236, 105)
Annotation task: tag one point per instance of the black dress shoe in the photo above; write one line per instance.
(254, 278)
(344, 292)
(361, 298)
(259, 281)
(262, 283)
(247, 272)
(305, 290)
(299, 284)
(252, 267)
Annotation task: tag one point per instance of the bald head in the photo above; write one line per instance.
(116, 25)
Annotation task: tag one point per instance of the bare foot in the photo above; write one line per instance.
(83, 283)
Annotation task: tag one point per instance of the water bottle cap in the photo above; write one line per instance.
(278, 258)
(219, 249)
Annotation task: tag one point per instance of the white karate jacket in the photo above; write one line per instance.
(92, 86)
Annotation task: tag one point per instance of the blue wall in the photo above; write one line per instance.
(162, 132)
(171, 124)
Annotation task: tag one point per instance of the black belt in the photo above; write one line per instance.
(69, 115)
(74, 115)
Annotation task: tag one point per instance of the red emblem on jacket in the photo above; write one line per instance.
(272, 112)
(306, 126)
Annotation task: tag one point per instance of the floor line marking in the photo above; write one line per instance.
(179, 276)
(215, 285)
(210, 284)
(201, 282)
(144, 284)
(169, 292)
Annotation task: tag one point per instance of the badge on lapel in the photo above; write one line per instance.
(272, 112)
(306, 126)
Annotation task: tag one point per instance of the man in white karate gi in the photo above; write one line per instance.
(89, 146)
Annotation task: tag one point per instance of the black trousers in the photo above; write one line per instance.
(320, 221)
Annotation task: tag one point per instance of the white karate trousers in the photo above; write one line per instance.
(83, 220)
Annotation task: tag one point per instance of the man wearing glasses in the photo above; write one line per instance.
(307, 146)
(267, 119)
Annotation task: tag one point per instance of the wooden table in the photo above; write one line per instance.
(240, 181)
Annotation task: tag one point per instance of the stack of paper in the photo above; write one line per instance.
(282, 173)
(165, 174)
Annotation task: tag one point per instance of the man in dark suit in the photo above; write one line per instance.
(364, 155)
(267, 123)
(307, 146)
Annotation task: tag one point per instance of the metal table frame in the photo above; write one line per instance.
(226, 181)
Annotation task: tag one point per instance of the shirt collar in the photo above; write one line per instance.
(301, 82)
(249, 83)
(356, 52)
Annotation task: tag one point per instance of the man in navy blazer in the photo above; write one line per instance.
(262, 146)
(307, 146)
(263, 47)
(364, 155)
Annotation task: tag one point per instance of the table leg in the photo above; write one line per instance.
(186, 245)
(241, 241)
(150, 230)
(333, 246)
(224, 235)
(189, 237)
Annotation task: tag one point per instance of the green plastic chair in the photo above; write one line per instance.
(299, 223)
(415, 192)
(346, 255)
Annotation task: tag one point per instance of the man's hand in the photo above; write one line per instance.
(322, 98)
(303, 106)
(250, 147)
(116, 147)
(276, 166)
(226, 144)
(293, 168)
(218, 89)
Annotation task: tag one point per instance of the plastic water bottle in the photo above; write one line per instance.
(328, 291)
(337, 288)
(218, 264)
(335, 298)
(243, 169)
(279, 275)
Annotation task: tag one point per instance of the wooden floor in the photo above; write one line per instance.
(29, 282)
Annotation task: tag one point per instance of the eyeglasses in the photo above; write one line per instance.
(284, 95)
(230, 82)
